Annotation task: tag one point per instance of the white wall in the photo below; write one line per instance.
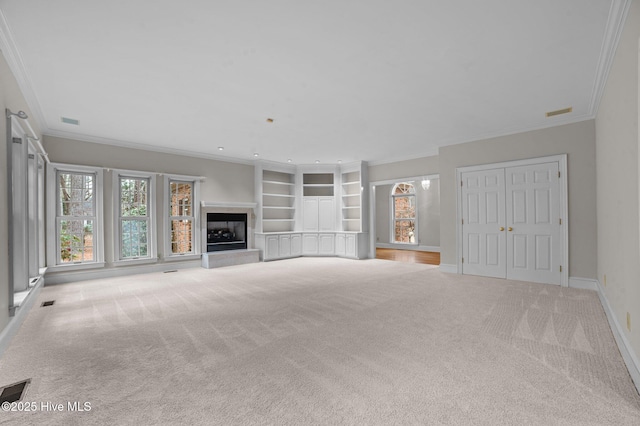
(617, 182)
(402, 169)
(577, 140)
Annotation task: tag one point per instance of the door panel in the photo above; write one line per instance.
(533, 212)
(483, 213)
(326, 213)
(310, 214)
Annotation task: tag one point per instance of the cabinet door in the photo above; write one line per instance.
(285, 246)
(340, 245)
(326, 214)
(310, 244)
(271, 250)
(326, 242)
(351, 246)
(310, 214)
(296, 244)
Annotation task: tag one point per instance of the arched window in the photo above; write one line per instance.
(403, 196)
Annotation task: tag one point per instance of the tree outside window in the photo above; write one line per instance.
(403, 197)
(134, 217)
(76, 217)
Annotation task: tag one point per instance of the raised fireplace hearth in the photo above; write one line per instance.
(226, 231)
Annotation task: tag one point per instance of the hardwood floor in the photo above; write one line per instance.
(411, 256)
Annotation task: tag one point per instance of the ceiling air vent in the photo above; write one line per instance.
(559, 111)
(68, 120)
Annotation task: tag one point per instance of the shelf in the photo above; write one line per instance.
(278, 220)
(274, 182)
(278, 195)
(355, 182)
(350, 220)
(350, 195)
(278, 207)
(351, 207)
(317, 185)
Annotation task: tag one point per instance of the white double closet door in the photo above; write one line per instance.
(512, 225)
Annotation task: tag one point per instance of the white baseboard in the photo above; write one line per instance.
(18, 318)
(628, 355)
(75, 276)
(583, 283)
(452, 269)
(418, 247)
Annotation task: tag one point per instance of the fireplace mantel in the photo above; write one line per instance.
(229, 204)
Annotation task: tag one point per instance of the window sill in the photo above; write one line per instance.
(75, 266)
(179, 257)
(135, 261)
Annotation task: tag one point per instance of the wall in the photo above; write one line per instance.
(429, 214)
(577, 140)
(383, 214)
(402, 169)
(10, 97)
(224, 181)
(617, 182)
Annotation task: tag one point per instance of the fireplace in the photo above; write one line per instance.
(226, 231)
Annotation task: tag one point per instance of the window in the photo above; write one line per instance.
(135, 215)
(403, 196)
(183, 231)
(75, 216)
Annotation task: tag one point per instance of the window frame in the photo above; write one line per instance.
(196, 227)
(393, 197)
(152, 251)
(53, 258)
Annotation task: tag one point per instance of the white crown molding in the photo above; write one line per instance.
(615, 23)
(16, 64)
(144, 147)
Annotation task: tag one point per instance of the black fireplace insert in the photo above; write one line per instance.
(226, 231)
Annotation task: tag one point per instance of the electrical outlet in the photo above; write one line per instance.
(605, 280)
(628, 321)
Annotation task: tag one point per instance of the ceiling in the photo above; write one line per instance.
(345, 80)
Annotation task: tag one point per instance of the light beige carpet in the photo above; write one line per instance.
(320, 341)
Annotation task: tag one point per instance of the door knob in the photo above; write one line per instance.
(502, 228)
(510, 229)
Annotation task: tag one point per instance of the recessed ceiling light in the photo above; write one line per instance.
(559, 111)
(255, 154)
(289, 160)
(317, 161)
(339, 161)
(68, 120)
(221, 148)
(269, 120)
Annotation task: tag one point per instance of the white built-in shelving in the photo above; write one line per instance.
(352, 201)
(311, 210)
(278, 201)
(317, 185)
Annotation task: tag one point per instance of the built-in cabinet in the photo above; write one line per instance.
(318, 214)
(287, 245)
(314, 210)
